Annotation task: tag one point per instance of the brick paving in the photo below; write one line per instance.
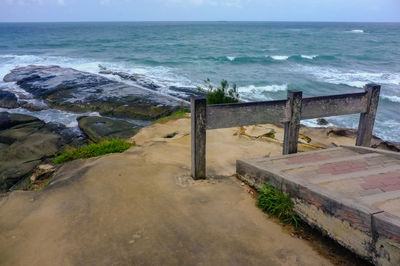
(350, 183)
(344, 171)
(386, 181)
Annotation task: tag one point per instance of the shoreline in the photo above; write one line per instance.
(80, 107)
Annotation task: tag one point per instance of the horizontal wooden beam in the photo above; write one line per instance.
(343, 104)
(245, 114)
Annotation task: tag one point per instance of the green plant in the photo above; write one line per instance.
(177, 114)
(222, 94)
(270, 134)
(93, 150)
(276, 203)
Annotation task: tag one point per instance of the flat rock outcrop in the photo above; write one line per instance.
(77, 91)
(99, 128)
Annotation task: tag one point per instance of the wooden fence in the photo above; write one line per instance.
(289, 112)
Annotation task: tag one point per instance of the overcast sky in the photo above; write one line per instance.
(199, 10)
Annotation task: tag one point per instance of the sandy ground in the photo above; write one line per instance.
(142, 208)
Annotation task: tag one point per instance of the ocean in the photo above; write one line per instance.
(264, 59)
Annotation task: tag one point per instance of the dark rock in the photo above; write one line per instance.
(376, 142)
(186, 93)
(13, 171)
(322, 122)
(139, 79)
(179, 92)
(21, 131)
(3, 146)
(342, 132)
(72, 90)
(8, 100)
(21, 157)
(33, 107)
(8, 120)
(25, 141)
(99, 128)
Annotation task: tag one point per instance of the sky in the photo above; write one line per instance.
(199, 10)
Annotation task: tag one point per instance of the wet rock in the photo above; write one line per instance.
(376, 142)
(186, 93)
(21, 131)
(33, 107)
(8, 120)
(342, 132)
(322, 122)
(179, 92)
(8, 100)
(139, 79)
(3, 146)
(77, 91)
(25, 142)
(99, 128)
(21, 157)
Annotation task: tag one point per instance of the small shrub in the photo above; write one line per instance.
(222, 94)
(276, 203)
(93, 150)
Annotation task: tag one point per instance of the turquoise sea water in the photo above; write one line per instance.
(263, 58)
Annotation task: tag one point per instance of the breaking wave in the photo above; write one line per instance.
(260, 93)
(357, 31)
(350, 78)
(394, 99)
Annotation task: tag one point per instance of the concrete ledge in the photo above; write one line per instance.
(368, 231)
(344, 220)
(387, 232)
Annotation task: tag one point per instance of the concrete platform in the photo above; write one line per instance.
(351, 193)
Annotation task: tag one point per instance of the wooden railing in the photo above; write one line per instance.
(289, 112)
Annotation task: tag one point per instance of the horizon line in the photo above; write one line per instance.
(175, 21)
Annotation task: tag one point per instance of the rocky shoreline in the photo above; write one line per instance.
(26, 141)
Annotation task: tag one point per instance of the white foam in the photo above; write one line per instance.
(395, 99)
(352, 78)
(308, 56)
(387, 129)
(259, 93)
(231, 58)
(268, 88)
(160, 75)
(357, 31)
(279, 57)
(314, 123)
(52, 115)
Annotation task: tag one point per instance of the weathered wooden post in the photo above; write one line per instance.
(198, 135)
(291, 135)
(367, 119)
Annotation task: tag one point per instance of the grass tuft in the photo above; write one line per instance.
(93, 150)
(276, 203)
(177, 114)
